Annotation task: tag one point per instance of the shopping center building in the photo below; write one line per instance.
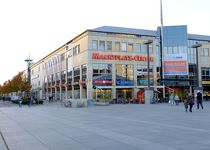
(117, 63)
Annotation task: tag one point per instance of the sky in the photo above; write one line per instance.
(38, 27)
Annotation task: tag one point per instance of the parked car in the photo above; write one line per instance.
(14, 98)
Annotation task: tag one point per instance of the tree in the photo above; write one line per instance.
(18, 83)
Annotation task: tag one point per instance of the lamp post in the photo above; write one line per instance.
(28, 60)
(148, 61)
(149, 91)
(196, 46)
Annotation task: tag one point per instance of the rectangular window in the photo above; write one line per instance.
(124, 74)
(138, 47)
(205, 52)
(109, 45)
(124, 47)
(117, 46)
(102, 45)
(130, 47)
(95, 45)
(143, 49)
(150, 49)
(84, 72)
(102, 74)
(63, 57)
(76, 74)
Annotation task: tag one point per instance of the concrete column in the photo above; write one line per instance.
(148, 94)
(135, 92)
(90, 89)
(73, 92)
(114, 93)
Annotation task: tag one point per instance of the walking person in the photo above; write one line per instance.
(176, 99)
(186, 103)
(199, 100)
(20, 101)
(190, 102)
(171, 99)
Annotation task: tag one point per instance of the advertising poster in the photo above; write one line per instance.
(176, 64)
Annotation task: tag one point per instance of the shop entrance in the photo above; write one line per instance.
(124, 95)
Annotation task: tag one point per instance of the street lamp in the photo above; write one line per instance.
(148, 61)
(149, 91)
(196, 46)
(28, 60)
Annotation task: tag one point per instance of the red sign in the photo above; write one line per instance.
(82, 82)
(120, 57)
(102, 82)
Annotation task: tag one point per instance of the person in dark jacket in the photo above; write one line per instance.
(199, 100)
(190, 102)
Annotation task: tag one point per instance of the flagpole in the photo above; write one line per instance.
(162, 47)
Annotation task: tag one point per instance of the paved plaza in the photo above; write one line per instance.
(115, 127)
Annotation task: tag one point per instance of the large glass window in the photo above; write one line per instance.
(63, 76)
(69, 76)
(76, 74)
(124, 75)
(95, 45)
(84, 72)
(102, 74)
(142, 75)
(205, 73)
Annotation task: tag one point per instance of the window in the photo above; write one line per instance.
(143, 49)
(76, 74)
(150, 49)
(205, 73)
(63, 57)
(95, 45)
(142, 75)
(124, 47)
(69, 76)
(130, 47)
(205, 52)
(102, 45)
(102, 73)
(63, 76)
(117, 46)
(124, 74)
(109, 45)
(138, 47)
(76, 50)
(84, 72)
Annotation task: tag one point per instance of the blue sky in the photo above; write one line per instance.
(39, 27)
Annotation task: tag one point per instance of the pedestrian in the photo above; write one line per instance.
(186, 103)
(20, 101)
(199, 100)
(171, 99)
(176, 99)
(190, 102)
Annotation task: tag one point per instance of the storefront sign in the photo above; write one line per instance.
(205, 82)
(125, 82)
(102, 82)
(82, 82)
(120, 57)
